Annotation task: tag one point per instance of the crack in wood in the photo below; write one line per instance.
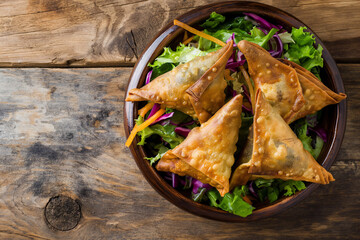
(133, 49)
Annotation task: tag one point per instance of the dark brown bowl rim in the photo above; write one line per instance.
(163, 38)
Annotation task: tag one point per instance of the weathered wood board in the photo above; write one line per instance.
(114, 33)
(61, 133)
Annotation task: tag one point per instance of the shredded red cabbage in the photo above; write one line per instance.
(148, 77)
(187, 123)
(182, 131)
(155, 108)
(165, 122)
(262, 22)
(186, 182)
(252, 190)
(197, 184)
(247, 109)
(168, 176)
(235, 61)
(175, 180)
(279, 47)
(232, 38)
(163, 117)
(265, 26)
(320, 132)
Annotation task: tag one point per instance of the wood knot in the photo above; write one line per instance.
(62, 213)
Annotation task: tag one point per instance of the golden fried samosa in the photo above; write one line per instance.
(207, 153)
(277, 152)
(277, 81)
(203, 76)
(316, 94)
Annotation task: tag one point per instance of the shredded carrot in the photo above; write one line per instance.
(185, 36)
(247, 199)
(227, 75)
(250, 86)
(197, 32)
(145, 109)
(142, 126)
(188, 40)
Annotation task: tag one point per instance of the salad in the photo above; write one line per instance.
(174, 132)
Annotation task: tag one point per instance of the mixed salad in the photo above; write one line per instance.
(173, 126)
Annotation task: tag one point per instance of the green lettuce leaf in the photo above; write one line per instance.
(285, 37)
(258, 37)
(302, 38)
(217, 21)
(231, 202)
(161, 151)
(180, 117)
(291, 186)
(238, 23)
(272, 189)
(255, 36)
(144, 134)
(213, 21)
(302, 50)
(166, 132)
(161, 69)
(182, 54)
(301, 127)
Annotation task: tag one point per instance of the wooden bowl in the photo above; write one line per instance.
(334, 117)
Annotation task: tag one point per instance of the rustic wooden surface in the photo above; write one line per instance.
(113, 33)
(61, 129)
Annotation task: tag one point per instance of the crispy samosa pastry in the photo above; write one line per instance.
(277, 81)
(316, 94)
(207, 153)
(277, 152)
(203, 76)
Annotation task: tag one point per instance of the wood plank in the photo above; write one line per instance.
(61, 133)
(113, 33)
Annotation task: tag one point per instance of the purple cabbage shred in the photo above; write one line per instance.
(163, 117)
(252, 190)
(262, 22)
(320, 132)
(182, 131)
(155, 108)
(236, 60)
(232, 37)
(175, 180)
(148, 77)
(197, 184)
(247, 109)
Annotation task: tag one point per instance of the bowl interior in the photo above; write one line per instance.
(333, 119)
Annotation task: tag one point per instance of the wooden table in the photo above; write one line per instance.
(64, 69)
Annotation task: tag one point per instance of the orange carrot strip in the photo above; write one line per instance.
(145, 109)
(250, 86)
(227, 75)
(197, 32)
(188, 40)
(142, 126)
(246, 199)
(185, 36)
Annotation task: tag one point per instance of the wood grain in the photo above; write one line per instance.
(61, 133)
(114, 33)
